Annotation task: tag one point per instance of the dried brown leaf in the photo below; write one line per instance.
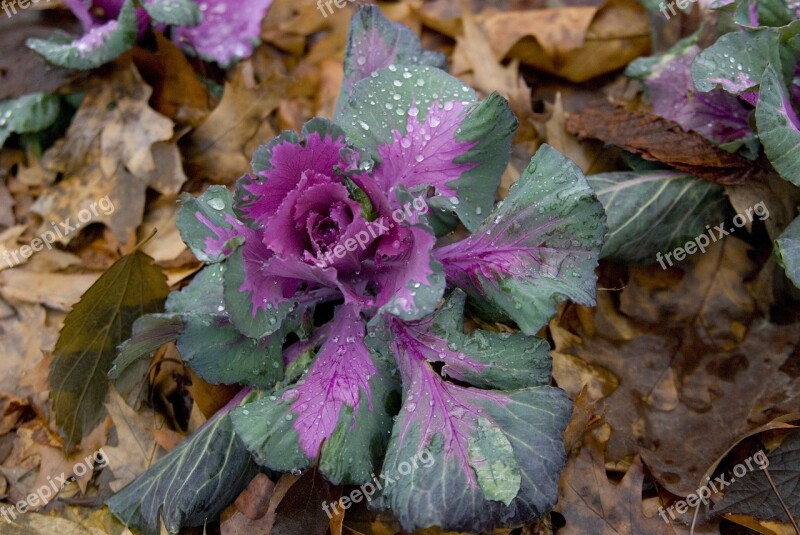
(662, 140)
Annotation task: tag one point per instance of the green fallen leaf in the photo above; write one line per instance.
(86, 348)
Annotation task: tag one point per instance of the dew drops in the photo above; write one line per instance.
(216, 204)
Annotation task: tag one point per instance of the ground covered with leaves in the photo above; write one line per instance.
(154, 381)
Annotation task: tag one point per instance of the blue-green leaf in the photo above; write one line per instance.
(339, 411)
(787, 251)
(174, 12)
(678, 205)
(539, 246)
(100, 45)
(374, 43)
(192, 484)
(779, 126)
(469, 459)
(28, 114)
(424, 128)
(208, 226)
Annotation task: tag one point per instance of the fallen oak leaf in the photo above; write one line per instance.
(590, 503)
(662, 140)
(574, 42)
(489, 75)
(217, 149)
(109, 152)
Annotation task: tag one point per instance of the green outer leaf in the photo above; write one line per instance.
(787, 251)
(490, 124)
(192, 484)
(63, 51)
(770, 13)
(778, 134)
(149, 333)
(493, 124)
(174, 12)
(220, 354)
(552, 214)
(678, 205)
(201, 296)
(355, 447)
(382, 86)
(206, 339)
(512, 360)
(719, 65)
(753, 51)
(214, 205)
(28, 114)
(239, 304)
(86, 348)
(362, 57)
(438, 493)
(492, 457)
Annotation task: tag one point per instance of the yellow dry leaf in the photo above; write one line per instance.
(474, 54)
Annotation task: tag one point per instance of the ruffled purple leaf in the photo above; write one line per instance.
(261, 288)
(228, 32)
(409, 279)
(339, 412)
(539, 247)
(424, 128)
(374, 43)
(279, 167)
